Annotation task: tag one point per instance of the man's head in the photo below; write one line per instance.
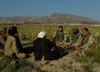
(85, 31)
(41, 34)
(60, 28)
(3, 30)
(75, 29)
(13, 31)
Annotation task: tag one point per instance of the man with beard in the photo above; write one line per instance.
(2, 38)
(75, 38)
(13, 46)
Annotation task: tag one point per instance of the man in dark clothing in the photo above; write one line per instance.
(42, 48)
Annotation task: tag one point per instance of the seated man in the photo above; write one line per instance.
(87, 40)
(42, 48)
(2, 38)
(59, 37)
(13, 45)
(75, 37)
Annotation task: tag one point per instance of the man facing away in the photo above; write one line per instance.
(42, 48)
(2, 38)
(59, 37)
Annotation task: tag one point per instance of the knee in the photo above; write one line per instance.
(21, 55)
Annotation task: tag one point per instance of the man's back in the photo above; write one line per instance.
(10, 46)
(42, 47)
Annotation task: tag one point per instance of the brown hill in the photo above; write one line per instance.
(54, 18)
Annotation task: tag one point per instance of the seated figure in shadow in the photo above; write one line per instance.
(13, 46)
(42, 48)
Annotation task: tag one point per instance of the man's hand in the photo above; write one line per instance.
(69, 46)
(53, 38)
(60, 43)
(78, 48)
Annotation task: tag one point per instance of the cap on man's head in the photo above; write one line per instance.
(75, 28)
(12, 30)
(41, 34)
(3, 29)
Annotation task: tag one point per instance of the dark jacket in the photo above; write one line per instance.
(19, 44)
(42, 47)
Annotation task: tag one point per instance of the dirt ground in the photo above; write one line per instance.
(66, 63)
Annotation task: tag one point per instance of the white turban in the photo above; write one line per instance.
(41, 34)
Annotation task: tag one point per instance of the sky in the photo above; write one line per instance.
(38, 8)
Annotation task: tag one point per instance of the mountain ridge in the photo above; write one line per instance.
(53, 18)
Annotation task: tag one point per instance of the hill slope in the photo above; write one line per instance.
(54, 18)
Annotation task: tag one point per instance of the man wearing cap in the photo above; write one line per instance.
(13, 46)
(2, 38)
(75, 38)
(42, 48)
(59, 37)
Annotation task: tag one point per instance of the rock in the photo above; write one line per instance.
(96, 67)
(77, 66)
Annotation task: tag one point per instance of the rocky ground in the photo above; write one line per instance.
(67, 63)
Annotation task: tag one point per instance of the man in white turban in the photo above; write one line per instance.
(42, 48)
(2, 38)
(41, 34)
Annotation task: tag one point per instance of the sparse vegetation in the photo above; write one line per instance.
(51, 64)
(64, 67)
(8, 64)
(29, 32)
(87, 68)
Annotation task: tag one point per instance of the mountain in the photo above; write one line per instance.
(54, 18)
(16, 19)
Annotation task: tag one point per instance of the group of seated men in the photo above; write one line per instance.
(77, 42)
(12, 47)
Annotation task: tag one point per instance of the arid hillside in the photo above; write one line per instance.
(54, 18)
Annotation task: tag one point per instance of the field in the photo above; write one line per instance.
(28, 33)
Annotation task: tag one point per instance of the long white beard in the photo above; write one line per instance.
(4, 34)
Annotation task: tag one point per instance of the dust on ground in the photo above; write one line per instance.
(66, 63)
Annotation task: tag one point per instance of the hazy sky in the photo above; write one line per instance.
(87, 8)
